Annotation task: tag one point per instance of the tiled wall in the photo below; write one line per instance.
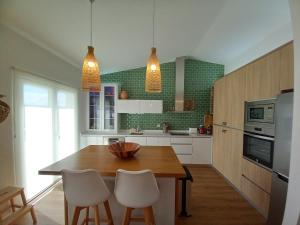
(199, 77)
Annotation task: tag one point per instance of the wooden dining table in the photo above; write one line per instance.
(161, 160)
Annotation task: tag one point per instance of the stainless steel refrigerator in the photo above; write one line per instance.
(281, 159)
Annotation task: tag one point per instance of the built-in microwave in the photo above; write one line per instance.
(260, 117)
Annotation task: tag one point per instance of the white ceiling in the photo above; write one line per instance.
(211, 30)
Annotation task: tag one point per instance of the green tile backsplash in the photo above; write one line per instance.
(199, 78)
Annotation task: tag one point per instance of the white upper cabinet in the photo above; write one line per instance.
(128, 106)
(151, 106)
(139, 106)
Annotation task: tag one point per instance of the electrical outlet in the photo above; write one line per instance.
(158, 125)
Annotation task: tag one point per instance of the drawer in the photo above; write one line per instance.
(258, 175)
(258, 197)
(185, 159)
(183, 149)
(181, 140)
(158, 141)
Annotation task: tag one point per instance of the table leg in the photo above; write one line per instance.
(66, 209)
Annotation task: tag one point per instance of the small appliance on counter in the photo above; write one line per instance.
(259, 131)
(192, 130)
(281, 161)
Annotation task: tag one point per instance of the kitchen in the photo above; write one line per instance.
(257, 77)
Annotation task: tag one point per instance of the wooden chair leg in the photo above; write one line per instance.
(87, 216)
(97, 215)
(76, 215)
(127, 216)
(66, 209)
(33, 216)
(108, 213)
(149, 216)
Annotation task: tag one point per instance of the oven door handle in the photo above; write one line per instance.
(259, 136)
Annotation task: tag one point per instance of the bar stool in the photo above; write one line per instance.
(84, 189)
(137, 190)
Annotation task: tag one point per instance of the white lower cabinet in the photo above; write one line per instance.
(86, 140)
(202, 151)
(158, 141)
(138, 140)
(196, 150)
(185, 159)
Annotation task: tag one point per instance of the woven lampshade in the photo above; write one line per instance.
(153, 75)
(4, 110)
(90, 80)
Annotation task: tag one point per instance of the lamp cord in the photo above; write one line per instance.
(91, 40)
(153, 23)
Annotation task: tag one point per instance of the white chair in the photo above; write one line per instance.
(137, 189)
(84, 189)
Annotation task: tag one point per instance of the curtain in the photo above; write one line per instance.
(45, 128)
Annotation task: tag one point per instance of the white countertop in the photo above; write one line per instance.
(146, 133)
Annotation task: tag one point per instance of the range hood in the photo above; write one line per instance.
(181, 105)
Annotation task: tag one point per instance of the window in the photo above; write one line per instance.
(45, 128)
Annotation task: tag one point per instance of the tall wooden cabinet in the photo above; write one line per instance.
(287, 67)
(263, 78)
(227, 153)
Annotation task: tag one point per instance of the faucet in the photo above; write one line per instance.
(165, 126)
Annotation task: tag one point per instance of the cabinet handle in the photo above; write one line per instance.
(224, 123)
(224, 131)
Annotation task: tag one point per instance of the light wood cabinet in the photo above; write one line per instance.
(262, 77)
(287, 67)
(235, 99)
(220, 95)
(258, 197)
(258, 175)
(227, 153)
(218, 153)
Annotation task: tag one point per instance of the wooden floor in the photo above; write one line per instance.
(213, 202)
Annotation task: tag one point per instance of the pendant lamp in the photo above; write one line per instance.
(153, 74)
(90, 80)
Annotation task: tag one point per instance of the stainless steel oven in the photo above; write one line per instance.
(259, 148)
(259, 131)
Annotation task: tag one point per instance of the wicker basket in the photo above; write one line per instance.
(4, 110)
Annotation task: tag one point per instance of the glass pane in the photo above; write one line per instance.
(109, 107)
(66, 124)
(35, 95)
(38, 148)
(94, 110)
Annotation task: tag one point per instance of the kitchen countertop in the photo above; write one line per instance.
(146, 133)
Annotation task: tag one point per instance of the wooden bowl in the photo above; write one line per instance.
(124, 150)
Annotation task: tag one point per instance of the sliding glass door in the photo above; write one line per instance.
(45, 128)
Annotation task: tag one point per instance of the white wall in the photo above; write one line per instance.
(21, 53)
(293, 199)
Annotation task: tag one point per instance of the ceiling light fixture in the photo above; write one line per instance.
(153, 74)
(90, 80)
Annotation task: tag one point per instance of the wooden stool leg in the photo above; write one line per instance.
(87, 216)
(66, 209)
(76, 215)
(97, 215)
(149, 216)
(108, 213)
(127, 216)
(12, 205)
